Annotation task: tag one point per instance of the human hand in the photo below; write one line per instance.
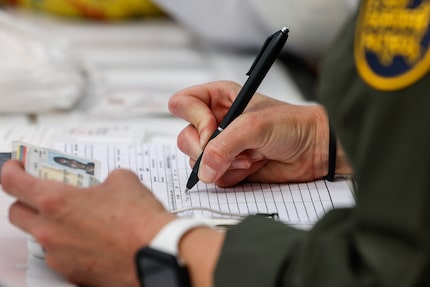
(90, 235)
(271, 141)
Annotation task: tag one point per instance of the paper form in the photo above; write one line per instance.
(165, 170)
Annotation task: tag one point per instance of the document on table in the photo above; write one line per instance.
(165, 170)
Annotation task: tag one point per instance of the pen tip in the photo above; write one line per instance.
(192, 181)
(187, 190)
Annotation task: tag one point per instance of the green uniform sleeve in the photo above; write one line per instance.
(336, 252)
(254, 252)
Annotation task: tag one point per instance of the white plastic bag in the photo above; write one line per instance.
(36, 75)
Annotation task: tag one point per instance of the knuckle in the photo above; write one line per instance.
(13, 209)
(120, 177)
(51, 203)
(44, 236)
(122, 173)
(218, 154)
(250, 121)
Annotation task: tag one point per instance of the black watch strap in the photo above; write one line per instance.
(159, 269)
(159, 264)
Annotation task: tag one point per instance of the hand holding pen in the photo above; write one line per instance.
(265, 59)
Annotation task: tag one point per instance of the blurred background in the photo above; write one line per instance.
(122, 58)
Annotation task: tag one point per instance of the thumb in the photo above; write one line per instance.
(221, 152)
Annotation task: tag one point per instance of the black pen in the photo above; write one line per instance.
(269, 52)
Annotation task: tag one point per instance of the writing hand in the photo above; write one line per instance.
(272, 141)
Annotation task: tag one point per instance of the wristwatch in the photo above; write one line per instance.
(158, 264)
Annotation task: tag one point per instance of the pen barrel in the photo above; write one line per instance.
(256, 76)
(270, 51)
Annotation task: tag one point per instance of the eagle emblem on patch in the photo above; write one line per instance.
(392, 42)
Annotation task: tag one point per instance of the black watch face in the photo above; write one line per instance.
(159, 269)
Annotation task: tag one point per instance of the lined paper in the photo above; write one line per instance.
(165, 170)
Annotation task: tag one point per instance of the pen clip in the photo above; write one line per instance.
(263, 48)
(266, 43)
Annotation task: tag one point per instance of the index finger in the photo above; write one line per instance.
(25, 187)
(204, 105)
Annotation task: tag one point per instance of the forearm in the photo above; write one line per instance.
(200, 249)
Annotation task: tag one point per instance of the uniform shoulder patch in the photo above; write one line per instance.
(392, 42)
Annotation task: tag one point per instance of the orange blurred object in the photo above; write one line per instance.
(93, 9)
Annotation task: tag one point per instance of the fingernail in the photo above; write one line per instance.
(241, 164)
(256, 156)
(206, 173)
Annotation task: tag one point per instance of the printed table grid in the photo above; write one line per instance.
(165, 170)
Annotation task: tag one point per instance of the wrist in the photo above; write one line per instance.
(200, 249)
(159, 263)
(332, 158)
(170, 235)
(321, 144)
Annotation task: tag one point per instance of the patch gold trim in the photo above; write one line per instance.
(392, 42)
